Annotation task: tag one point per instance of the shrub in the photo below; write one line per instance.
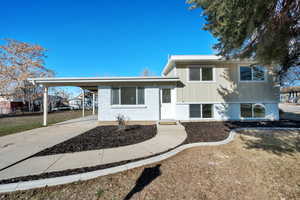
(121, 120)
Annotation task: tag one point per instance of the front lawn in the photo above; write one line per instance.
(256, 165)
(10, 125)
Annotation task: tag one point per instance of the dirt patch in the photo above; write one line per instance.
(279, 142)
(231, 171)
(103, 137)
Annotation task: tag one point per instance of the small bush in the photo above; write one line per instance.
(121, 120)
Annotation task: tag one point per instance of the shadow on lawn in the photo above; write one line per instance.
(277, 143)
(148, 175)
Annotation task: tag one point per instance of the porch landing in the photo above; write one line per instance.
(168, 122)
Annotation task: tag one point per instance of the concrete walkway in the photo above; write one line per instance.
(16, 147)
(168, 136)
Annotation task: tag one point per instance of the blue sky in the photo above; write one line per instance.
(106, 38)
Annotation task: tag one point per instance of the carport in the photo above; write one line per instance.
(83, 83)
(95, 84)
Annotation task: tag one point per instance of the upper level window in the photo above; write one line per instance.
(128, 96)
(255, 73)
(201, 74)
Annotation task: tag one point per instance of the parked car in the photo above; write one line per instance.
(61, 108)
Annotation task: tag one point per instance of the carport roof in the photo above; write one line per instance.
(91, 83)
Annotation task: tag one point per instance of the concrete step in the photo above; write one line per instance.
(167, 122)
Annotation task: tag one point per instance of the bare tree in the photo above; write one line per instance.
(145, 72)
(18, 62)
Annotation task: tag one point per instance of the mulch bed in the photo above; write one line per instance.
(217, 131)
(196, 132)
(205, 131)
(103, 137)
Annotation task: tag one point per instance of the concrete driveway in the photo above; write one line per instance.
(16, 147)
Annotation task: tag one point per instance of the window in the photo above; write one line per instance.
(207, 111)
(194, 74)
(245, 73)
(128, 96)
(201, 110)
(246, 110)
(195, 110)
(166, 95)
(256, 73)
(201, 74)
(207, 74)
(249, 110)
(141, 95)
(259, 111)
(115, 98)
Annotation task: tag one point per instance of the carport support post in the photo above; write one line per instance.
(93, 103)
(83, 102)
(45, 104)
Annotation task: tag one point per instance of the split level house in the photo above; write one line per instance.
(191, 87)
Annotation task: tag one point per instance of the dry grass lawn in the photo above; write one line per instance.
(9, 125)
(263, 165)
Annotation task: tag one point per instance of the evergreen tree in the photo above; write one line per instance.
(265, 30)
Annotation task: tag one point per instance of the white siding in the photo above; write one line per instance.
(107, 112)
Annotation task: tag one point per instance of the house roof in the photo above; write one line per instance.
(194, 58)
(182, 58)
(290, 89)
(91, 83)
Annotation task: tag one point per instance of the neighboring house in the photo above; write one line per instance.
(192, 87)
(54, 102)
(75, 103)
(290, 94)
(9, 104)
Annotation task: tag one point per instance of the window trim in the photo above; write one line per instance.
(136, 97)
(201, 66)
(252, 81)
(252, 111)
(201, 113)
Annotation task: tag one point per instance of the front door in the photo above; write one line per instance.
(166, 110)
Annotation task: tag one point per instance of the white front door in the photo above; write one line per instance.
(166, 111)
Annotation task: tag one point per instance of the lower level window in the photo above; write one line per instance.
(250, 110)
(201, 110)
(207, 110)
